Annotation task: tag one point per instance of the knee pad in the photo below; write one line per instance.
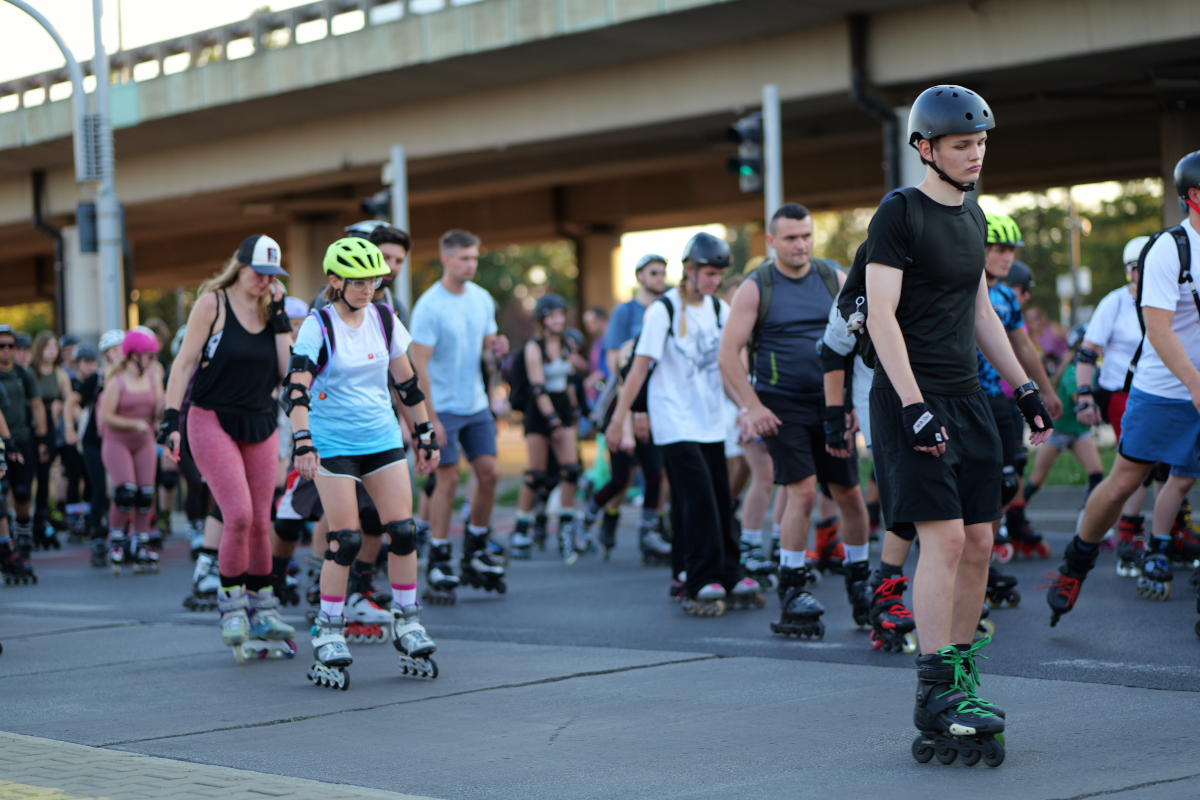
(145, 499)
(371, 524)
(1020, 459)
(535, 480)
(216, 514)
(402, 536)
(906, 531)
(168, 480)
(570, 473)
(289, 530)
(1009, 482)
(430, 484)
(125, 497)
(349, 543)
(1161, 472)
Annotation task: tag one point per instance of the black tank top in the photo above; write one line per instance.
(238, 371)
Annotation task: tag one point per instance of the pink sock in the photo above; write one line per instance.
(333, 606)
(404, 594)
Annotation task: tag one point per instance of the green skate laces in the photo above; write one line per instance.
(966, 676)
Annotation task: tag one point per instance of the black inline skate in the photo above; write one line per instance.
(1131, 543)
(608, 532)
(440, 580)
(99, 550)
(655, 551)
(45, 536)
(858, 591)
(362, 582)
(952, 723)
(985, 628)
(15, 568)
(1000, 589)
(22, 534)
(1154, 582)
(1063, 590)
(479, 569)
(801, 613)
(1185, 539)
(498, 551)
(675, 592)
(540, 521)
(892, 624)
(757, 565)
(287, 589)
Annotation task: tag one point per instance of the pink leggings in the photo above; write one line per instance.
(241, 477)
(129, 458)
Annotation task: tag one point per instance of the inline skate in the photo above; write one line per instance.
(479, 570)
(195, 537)
(746, 593)
(366, 622)
(144, 558)
(1026, 542)
(413, 643)
(206, 580)
(519, 541)
(233, 602)
(1185, 539)
(892, 624)
(1000, 589)
(608, 532)
(584, 543)
(858, 591)
(985, 628)
(45, 537)
(287, 588)
(708, 602)
(330, 651)
(77, 525)
(566, 542)
(1154, 582)
(801, 613)
(362, 581)
(1131, 543)
(16, 569)
(655, 551)
(757, 565)
(951, 722)
(1063, 590)
(675, 592)
(1002, 546)
(22, 535)
(99, 550)
(269, 636)
(540, 521)
(497, 551)
(440, 580)
(829, 553)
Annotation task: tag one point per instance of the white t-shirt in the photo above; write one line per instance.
(1161, 289)
(685, 397)
(1114, 326)
(841, 342)
(351, 405)
(454, 325)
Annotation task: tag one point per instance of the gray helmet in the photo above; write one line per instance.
(546, 304)
(649, 258)
(948, 109)
(85, 351)
(706, 250)
(1019, 274)
(1187, 176)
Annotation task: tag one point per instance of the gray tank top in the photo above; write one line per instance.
(556, 373)
(785, 361)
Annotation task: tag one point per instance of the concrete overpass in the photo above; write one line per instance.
(528, 120)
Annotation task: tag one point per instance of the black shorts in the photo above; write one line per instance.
(798, 450)
(963, 483)
(1007, 427)
(535, 420)
(20, 476)
(357, 467)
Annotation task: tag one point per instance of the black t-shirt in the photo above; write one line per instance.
(942, 271)
(89, 393)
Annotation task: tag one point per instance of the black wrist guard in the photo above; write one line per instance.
(1032, 408)
(301, 435)
(422, 428)
(554, 421)
(428, 446)
(921, 426)
(279, 318)
(169, 425)
(303, 450)
(835, 426)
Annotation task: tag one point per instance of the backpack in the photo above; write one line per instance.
(520, 390)
(826, 268)
(852, 302)
(1185, 276)
(329, 343)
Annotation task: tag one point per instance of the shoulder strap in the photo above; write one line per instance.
(716, 301)
(666, 301)
(828, 271)
(386, 321)
(1185, 276)
(765, 273)
(328, 345)
(914, 212)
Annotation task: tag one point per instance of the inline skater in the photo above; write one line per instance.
(79, 434)
(1112, 337)
(87, 397)
(681, 334)
(21, 404)
(395, 245)
(1161, 421)
(338, 398)
(452, 324)
(13, 566)
(550, 417)
(237, 344)
(55, 385)
(129, 415)
(779, 314)
(938, 454)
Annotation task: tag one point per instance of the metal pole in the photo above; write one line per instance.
(1074, 224)
(772, 128)
(400, 218)
(107, 207)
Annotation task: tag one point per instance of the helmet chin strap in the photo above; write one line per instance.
(962, 187)
(342, 296)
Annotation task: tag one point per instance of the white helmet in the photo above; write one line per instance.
(112, 338)
(1133, 250)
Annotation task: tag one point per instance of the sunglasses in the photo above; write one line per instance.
(360, 285)
(7, 346)
(654, 273)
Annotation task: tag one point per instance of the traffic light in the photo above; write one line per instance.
(379, 205)
(748, 163)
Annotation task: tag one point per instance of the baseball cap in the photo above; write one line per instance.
(261, 253)
(67, 340)
(1019, 274)
(294, 307)
(24, 341)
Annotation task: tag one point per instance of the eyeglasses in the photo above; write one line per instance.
(359, 285)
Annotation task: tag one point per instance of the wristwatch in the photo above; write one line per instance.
(1026, 388)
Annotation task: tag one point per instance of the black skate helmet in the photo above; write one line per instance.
(546, 304)
(1187, 176)
(706, 250)
(1019, 274)
(943, 110)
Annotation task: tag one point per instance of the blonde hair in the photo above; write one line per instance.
(227, 277)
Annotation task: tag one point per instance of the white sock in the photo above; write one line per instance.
(791, 558)
(404, 595)
(333, 607)
(856, 552)
(753, 536)
(477, 530)
(439, 542)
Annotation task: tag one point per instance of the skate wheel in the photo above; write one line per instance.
(946, 754)
(971, 757)
(993, 753)
(922, 750)
(238, 654)
(344, 683)
(500, 588)
(876, 642)
(910, 643)
(987, 627)
(1014, 599)
(1003, 552)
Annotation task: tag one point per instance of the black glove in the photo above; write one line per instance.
(1031, 406)
(921, 426)
(279, 318)
(169, 425)
(835, 427)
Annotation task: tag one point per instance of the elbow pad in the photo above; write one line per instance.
(299, 363)
(1086, 356)
(289, 402)
(410, 392)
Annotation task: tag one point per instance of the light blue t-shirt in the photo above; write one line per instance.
(454, 325)
(351, 407)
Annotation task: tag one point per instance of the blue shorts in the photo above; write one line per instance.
(1161, 429)
(475, 432)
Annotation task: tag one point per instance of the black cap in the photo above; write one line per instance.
(86, 352)
(24, 341)
(68, 339)
(1187, 176)
(942, 110)
(546, 304)
(1019, 274)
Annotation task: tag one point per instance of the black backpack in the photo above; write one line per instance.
(1185, 276)
(852, 302)
(520, 390)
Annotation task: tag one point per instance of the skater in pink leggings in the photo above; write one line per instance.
(128, 413)
(237, 344)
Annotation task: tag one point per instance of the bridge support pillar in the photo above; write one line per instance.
(596, 254)
(1180, 132)
(303, 253)
(81, 279)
